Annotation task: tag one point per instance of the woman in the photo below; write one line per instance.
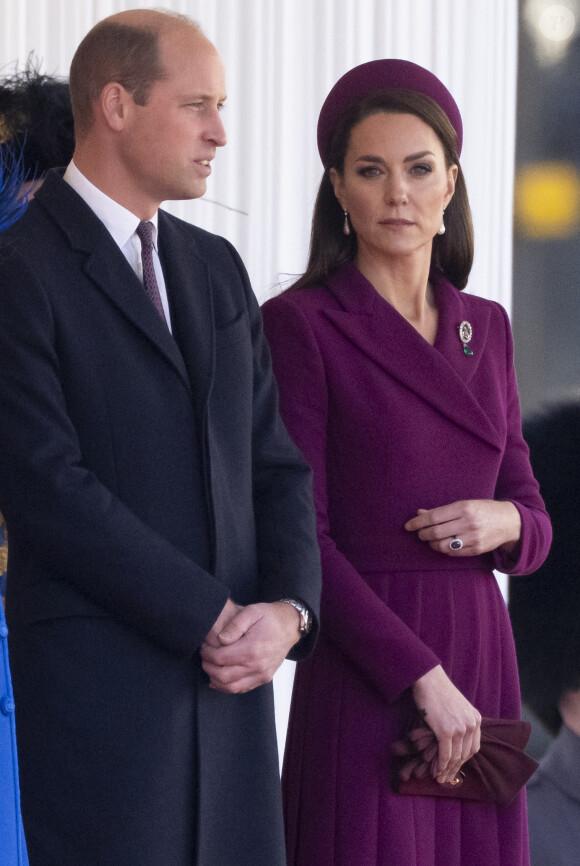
(401, 393)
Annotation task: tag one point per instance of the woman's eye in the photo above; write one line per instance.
(421, 168)
(368, 171)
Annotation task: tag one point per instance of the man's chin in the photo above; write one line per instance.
(186, 193)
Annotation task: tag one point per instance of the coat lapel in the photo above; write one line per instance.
(438, 374)
(190, 293)
(106, 267)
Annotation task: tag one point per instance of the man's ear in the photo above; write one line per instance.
(114, 104)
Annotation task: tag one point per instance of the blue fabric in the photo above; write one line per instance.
(12, 176)
(12, 846)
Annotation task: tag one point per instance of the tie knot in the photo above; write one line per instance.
(144, 232)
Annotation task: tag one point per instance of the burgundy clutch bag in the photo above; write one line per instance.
(495, 774)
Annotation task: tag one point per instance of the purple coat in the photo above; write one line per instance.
(390, 424)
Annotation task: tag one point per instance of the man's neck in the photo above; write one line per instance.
(99, 170)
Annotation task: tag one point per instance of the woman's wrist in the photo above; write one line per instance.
(513, 527)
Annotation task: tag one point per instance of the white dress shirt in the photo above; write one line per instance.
(121, 224)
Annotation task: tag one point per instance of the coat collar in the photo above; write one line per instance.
(439, 374)
(108, 269)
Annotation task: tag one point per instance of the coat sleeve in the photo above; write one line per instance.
(352, 616)
(516, 483)
(101, 557)
(288, 552)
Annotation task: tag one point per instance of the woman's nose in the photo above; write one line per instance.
(396, 190)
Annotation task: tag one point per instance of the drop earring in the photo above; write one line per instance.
(442, 226)
(346, 226)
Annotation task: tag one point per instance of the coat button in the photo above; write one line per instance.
(7, 705)
(3, 630)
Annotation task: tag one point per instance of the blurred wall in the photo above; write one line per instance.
(282, 57)
(546, 254)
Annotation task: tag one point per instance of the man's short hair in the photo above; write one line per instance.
(125, 53)
(36, 119)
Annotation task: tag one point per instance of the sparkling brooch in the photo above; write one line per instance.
(465, 335)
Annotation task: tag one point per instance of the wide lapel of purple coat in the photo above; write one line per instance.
(438, 374)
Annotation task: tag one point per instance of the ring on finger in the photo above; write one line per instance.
(455, 543)
(457, 779)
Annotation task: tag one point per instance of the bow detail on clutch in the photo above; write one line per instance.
(495, 774)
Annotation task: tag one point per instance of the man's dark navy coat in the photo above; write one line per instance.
(145, 478)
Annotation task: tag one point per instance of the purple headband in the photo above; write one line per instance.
(378, 75)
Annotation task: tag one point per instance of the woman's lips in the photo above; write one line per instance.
(395, 223)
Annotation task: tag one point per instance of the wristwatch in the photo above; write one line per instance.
(305, 616)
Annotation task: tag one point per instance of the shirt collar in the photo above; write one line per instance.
(120, 222)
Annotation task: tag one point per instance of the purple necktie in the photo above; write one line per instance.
(144, 232)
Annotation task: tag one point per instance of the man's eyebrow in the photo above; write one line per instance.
(201, 97)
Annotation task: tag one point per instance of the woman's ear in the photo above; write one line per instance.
(337, 185)
(452, 172)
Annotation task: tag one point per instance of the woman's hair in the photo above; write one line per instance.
(330, 247)
(36, 119)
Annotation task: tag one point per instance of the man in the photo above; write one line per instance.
(156, 508)
(545, 612)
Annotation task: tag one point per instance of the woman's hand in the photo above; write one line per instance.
(453, 720)
(481, 524)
